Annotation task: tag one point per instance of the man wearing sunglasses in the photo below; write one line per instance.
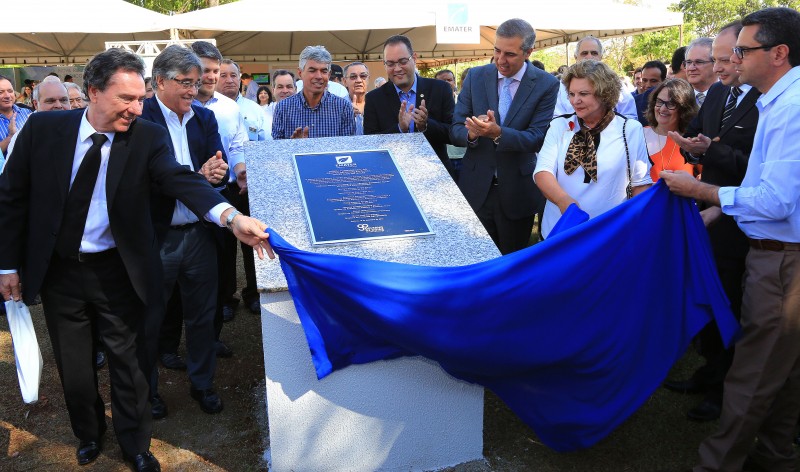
(408, 103)
(762, 388)
(720, 138)
(699, 67)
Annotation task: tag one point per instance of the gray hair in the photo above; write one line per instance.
(72, 85)
(315, 53)
(587, 38)
(206, 50)
(175, 60)
(702, 42)
(231, 62)
(356, 63)
(103, 66)
(518, 28)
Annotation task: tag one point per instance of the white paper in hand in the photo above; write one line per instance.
(26, 350)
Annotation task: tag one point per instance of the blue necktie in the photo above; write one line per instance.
(505, 99)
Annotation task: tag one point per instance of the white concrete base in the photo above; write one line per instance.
(406, 414)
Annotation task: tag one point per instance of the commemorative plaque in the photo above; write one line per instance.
(357, 195)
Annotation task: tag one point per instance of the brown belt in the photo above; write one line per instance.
(772, 245)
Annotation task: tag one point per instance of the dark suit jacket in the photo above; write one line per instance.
(725, 161)
(202, 133)
(514, 158)
(35, 183)
(383, 104)
(641, 100)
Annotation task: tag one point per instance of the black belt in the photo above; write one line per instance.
(772, 245)
(184, 227)
(93, 256)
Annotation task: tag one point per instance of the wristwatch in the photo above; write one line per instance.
(231, 216)
(497, 139)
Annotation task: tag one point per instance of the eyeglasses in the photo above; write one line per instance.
(739, 51)
(363, 76)
(188, 83)
(667, 105)
(698, 63)
(402, 62)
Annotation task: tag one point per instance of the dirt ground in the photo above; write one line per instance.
(39, 438)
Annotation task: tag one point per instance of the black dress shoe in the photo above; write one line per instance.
(223, 350)
(690, 386)
(254, 307)
(173, 361)
(208, 399)
(87, 452)
(99, 360)
(145, 462)
(157, 407)
(705, 411)
(228, 313)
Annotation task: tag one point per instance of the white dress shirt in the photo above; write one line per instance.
(232, 130)
(254, 119)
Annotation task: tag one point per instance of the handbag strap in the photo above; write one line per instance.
(629, 188)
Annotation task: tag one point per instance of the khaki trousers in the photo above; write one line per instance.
(762, 388)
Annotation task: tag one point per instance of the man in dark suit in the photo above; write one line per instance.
(653, 73)
(188, 247)
(408, 103)
(501, 117)
(79, 231)
(720, 138)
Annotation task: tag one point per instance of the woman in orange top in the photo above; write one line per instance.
(671, 107)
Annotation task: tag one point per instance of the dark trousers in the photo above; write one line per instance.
(508, 235)
(718, 358)
(77, 296)
(228, 259)
(189, 258)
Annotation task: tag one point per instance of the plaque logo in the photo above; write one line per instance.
(344, 161)
(370, 229)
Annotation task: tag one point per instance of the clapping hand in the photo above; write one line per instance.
(300, 133)
(405, 116)
(420, 116)
(214, 169)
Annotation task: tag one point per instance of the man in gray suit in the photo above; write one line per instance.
(501, 117)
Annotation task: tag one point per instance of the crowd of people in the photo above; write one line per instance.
(123, 265)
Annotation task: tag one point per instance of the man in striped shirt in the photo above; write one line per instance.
(12, 117)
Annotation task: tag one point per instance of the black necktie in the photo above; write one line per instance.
(80, 195)
(730, 105)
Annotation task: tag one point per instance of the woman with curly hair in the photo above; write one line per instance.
(671, 107)
(594, 157)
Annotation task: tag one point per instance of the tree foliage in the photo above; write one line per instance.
(177, 6)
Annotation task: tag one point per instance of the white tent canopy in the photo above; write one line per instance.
(356, 30)
(50, 36)
(350, 29)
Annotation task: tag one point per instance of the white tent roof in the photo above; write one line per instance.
(50, 35)
(357, 29)
(350, 29)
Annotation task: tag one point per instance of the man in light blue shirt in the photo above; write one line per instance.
(255, 120)
(762, 392)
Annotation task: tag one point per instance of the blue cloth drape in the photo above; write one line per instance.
(574, 333)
